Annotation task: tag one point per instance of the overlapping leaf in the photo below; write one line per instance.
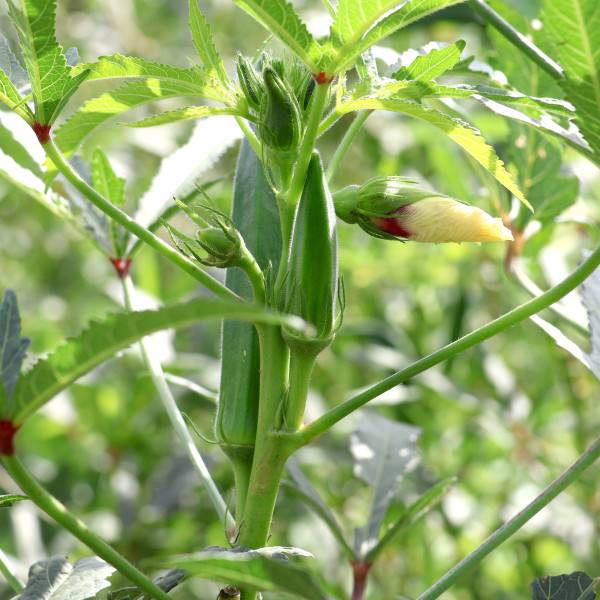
(575, 29)
(13, 78)
(574, 586)
(52, 82)
(429, 66)
(105, 180)
(362, 23)
(459, 131)
(280, 18)
(185, 114)
(80, 354)
(56, 579)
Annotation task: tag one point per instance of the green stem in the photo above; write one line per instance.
(343, 146)
(518, 39)
(511, 318)
(270, 453)
(510, 527)
(318, 106)
(301, 366)
(250, 135)
(172, 410)
(128, 223)
(57, 511)
(10, 575)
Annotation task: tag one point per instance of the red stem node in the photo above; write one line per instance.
(360, 571)
(42, 132)
(121, 266)
(321, 78)
(7, 435)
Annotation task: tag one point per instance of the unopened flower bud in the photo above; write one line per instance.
(394, 208)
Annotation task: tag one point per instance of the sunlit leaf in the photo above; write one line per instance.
(462, 133)
(184, 114)
(105, 180)
(429, 66)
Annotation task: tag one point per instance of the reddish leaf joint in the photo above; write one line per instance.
(121, 266)
(321, 78)
(7, 435)
(42, 132)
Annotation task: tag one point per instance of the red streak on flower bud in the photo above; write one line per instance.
(393, 226)
(7, 435)
(121, 266)
(42, 132)
(321, 78)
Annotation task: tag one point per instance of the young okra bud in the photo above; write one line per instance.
(395, 208)
(311, 284)
(280, 126)
(250, 82)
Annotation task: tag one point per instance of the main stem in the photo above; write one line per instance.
(57, 511)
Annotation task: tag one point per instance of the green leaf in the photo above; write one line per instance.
(12, 78)
(302, 486)
(56, 579)
(413, 513)
(250, 569)
(50, 76)
(574, 26)
(360, 24)
(203, 41)
(280, 18)
(133, 94)
(104, 179)
(103, 339)
(166, 583)
(184, 114)
(459, 131)
(436, 62)
(590, 292)
(12, 345)
(384, 450)
(575, 586)
(15, 150)
(7, 500)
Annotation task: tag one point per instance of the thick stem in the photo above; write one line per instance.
(128, 223)
(301, 366)
(511, 318)
(270, 453)
(512, 526)
(172, 410)
(53, 508)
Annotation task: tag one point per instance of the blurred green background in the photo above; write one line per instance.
(506, 417)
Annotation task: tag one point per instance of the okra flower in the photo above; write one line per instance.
(394, 208)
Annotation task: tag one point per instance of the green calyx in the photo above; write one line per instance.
(311, 286)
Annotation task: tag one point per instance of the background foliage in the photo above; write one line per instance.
(505, 417)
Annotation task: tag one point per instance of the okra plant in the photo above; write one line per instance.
(267, 260)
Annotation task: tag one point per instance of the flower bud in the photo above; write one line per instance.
(394, 208)
(250, 82)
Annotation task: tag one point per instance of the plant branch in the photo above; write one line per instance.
(518, 39)
(343, 146)
(250, 135)
(9, 574)
(511, 318)
(172, 410)
(57, 511)
(128, 223)
(514, 524)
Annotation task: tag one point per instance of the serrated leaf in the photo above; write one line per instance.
(429, 66)
(360, 24)
(49, 74)
(303, 487)
(71, 134)
(166, 583)
(384, 450)
(250, 569)
(12, 345)
(13, 82)
(462, 133)
(184, 114)
(12, 67)
(7, 500)
(105, 180)
(205, 46)
(15, 150)
(103, 339)
(56, 579)
(575, 586)
(412, 513)
(574, 26)
(280, 18)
